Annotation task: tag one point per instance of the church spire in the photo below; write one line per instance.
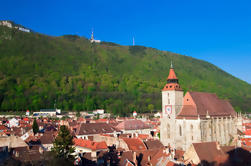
(172, 75)
(172, 80)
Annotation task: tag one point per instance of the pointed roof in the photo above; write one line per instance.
(172, 75)
(204, 104)
(172, 81)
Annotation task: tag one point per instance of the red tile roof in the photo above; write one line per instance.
(90, 144)
(210, 152)
(153, 144)
(172, 75)
(170, 163)
(2, 127)
(135, 144)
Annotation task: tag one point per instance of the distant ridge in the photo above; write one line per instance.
(38, 71)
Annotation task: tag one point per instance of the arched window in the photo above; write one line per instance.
(191, 128)
(180, 130)
(168, 131)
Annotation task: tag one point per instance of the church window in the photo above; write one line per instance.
(168, 131)
(191, 131)
(180, 130)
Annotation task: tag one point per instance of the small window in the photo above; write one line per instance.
(187, 99)
(180, 130)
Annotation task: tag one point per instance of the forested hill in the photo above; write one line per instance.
(38, 70)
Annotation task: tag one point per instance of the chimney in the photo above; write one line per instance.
(17, 154)
(94, 155)
(40, 150)
(149, 158)
(134, 157)
(218, 146)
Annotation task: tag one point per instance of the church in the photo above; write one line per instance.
(195, 117)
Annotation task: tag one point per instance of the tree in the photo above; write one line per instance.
(78, 113)
(35, 127)
(150, 107)
(62, 145)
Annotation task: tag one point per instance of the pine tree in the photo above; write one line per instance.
(35, 127)
(62, 145)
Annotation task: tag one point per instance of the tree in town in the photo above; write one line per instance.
(35, 127)
(62, 145)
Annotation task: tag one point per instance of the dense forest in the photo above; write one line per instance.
(39, 71)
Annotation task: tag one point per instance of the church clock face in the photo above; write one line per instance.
(168, 109)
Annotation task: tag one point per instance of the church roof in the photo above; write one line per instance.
(172, 74)
(172, 81)
(204, 104)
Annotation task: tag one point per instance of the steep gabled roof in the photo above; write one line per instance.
(209, 151)
(153, 144)
(204, 104)
(135, 144)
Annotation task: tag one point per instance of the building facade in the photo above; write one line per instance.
(196, 117)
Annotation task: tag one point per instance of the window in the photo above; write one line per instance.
(191, 128)
(168, 101)
(180, 130)
(168, 131)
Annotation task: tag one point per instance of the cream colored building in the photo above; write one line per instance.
(196, 117)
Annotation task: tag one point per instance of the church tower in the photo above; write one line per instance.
(172, 99)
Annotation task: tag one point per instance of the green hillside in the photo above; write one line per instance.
(37, 70)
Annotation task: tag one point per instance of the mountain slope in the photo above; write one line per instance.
(37, 71)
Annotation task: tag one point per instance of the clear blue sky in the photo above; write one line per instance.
(218, 31)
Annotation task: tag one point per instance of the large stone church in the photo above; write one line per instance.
(195, 117)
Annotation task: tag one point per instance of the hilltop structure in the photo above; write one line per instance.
(92, 40)
(196, 117)
(10, 24)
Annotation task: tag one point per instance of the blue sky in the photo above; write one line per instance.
(217, 31)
